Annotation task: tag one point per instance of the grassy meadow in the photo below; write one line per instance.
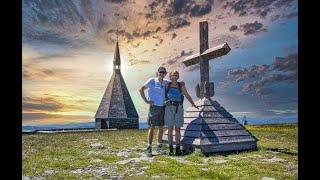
(70, 156)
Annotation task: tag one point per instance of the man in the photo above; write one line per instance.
(156, 97)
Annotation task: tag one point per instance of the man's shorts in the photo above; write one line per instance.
(156, 116)
(173, 117)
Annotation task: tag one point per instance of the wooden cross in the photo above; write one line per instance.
(205, 88)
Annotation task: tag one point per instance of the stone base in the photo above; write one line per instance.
(117, 123)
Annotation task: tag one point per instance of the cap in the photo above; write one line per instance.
(161, 69)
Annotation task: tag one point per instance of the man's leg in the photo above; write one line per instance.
(160, 123)
(159, 145)
(150, 137)
(160, 128)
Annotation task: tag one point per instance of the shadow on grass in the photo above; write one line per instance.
(227, 153)
(191, 150)
(282, 150)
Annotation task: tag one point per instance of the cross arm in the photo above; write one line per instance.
(208, 54)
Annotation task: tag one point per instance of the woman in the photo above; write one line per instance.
(174, 109)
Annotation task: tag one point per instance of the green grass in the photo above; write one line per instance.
(64, 153)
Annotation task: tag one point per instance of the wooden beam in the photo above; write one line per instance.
(208, 54)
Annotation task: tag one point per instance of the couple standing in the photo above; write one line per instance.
(166, 107)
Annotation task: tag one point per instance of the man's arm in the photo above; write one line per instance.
(141, 90)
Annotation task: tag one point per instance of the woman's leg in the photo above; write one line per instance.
(178, 136)
(170, 139)
(177, 131)
(160, 133)
(170, 135)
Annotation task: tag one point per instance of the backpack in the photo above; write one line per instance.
(179, 87)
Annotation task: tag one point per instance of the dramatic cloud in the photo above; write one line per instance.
(53, 117)
(41, 104)
(191, 8)
(50, 37)
(281, 70)
(258, 7)
(252, 28)
(263, 93)
(158, 29)
(233, 28)
(175, 63)
(247, 87)
(156, 3)
(283, 3)
(26, 74)
(53, 104)
(291, 15)
(285, 64)
(275, 17)
(274, 78)
(263, 13)
(37, 73)
(115, 1)
(288, 63)
(244, 73)
(183, 53)
(177, 7)
(199, 10)
(174, 35)
(174, 23)
(232, 40)
(137, 61)
(49, 56)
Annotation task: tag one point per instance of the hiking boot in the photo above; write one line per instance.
(178, 151)
(149, 151)
(171, 150)
(159, 149)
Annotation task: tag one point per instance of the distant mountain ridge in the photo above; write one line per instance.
(144, 124)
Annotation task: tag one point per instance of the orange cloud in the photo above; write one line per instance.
(41, 104)
(44, 118)
(51, 104)
(37, 73)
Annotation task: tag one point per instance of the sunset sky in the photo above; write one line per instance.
(67, 53)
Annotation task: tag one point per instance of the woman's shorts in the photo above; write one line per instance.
(156, 116)
(173, 118)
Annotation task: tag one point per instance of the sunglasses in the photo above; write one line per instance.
(162, 72)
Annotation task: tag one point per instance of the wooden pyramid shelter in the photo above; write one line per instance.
(212, 129)
(116, 109)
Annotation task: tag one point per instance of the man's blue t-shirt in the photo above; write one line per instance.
(156, 90)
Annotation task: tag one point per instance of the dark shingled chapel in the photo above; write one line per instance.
(116, 109)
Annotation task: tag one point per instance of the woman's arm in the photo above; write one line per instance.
(185, 93)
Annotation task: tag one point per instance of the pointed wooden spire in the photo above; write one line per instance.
(116, 58)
